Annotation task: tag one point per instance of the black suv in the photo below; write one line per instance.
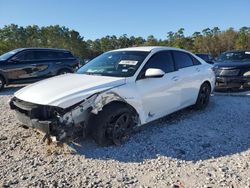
(233, 70)
(25, 65)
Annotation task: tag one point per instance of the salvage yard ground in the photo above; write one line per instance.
(210, 148)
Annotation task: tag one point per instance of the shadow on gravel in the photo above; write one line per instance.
(222, 129)
(10, 90)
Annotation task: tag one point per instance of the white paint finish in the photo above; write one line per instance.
(66, 90)
(159, 96)
(152, 98)
(148, 48)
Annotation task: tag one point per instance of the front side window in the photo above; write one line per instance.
(161, 60)
(25, 56)
(117, 64)
(182, 59)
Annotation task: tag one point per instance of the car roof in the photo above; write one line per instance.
(148, 48)
(37, 48)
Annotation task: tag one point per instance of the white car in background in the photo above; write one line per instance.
(115, 93)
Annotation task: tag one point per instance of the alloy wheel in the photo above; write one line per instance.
(121, 128)
(204, 95)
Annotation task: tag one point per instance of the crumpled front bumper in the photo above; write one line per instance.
(43, 118)
(43, 126)
(25, 114)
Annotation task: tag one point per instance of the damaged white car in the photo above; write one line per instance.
(115, 93)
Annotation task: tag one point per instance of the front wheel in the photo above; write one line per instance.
(203, 97)
(112, 125)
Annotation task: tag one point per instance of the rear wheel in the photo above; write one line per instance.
(2, 83)
(203, 96)
(112, 125)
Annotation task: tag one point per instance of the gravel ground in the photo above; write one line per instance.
(210, 148)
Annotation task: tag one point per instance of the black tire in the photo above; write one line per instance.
(64, 71)
(2, 83)
(203, 97)
(112, 125)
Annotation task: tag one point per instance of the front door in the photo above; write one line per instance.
(20, 67)
(160, 96)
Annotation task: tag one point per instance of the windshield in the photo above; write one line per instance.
(117, 64)
(9, 54)
(235, 56)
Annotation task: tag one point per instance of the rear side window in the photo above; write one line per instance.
(45, 55)
(161, 60)
(63, 54)
(195, 61)
(182, 59)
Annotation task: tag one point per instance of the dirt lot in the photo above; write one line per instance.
(198, 149)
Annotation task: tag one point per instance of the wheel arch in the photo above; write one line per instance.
(124, 104)
(209, 83)
(109, 98)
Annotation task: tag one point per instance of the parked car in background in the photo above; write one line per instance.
(206, 57)
(25, 65)
(115, 93)
(233, 70)
(234, 56)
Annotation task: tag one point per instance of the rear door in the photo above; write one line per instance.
(67, 60)
(45, 63)
(159, 96)
(190, 72)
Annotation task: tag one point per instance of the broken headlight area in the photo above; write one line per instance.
(56, 123)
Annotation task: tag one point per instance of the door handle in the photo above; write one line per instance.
(198, 70)
(175, 78)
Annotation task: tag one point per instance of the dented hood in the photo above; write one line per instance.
(66, 90)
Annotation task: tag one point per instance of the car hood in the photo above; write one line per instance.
(66, 90)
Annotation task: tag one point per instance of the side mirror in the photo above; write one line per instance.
(154, 73)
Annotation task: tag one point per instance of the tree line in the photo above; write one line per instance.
(209, 40)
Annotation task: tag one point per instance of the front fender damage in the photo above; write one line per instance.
(78, 116)
(71, 122)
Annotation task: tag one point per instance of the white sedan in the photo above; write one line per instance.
(115, 93)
